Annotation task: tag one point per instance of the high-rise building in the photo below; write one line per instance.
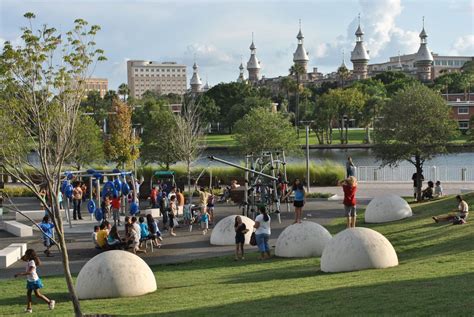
(359, 56)
(163, 78)
(97, 84)
(253, 65)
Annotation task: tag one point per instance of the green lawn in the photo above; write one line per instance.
(354, 136)
(435, 277)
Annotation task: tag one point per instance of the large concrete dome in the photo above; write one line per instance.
(114, 274)
(357, 249)
(302, 240)
(224, 232)
(387, 208)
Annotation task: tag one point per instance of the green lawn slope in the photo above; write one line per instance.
(435, 277)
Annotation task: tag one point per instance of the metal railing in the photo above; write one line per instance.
(404, 173)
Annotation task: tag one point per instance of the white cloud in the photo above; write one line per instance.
(463, 45)
(206, 54)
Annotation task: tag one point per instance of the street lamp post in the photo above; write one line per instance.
(308, 181)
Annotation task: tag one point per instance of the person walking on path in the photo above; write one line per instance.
(350, 167)
(172, 215)
(203, 197)
(263, 232)
(240, 231)
(463, 209)
(300, 198)
(33, 282)
(76, 201)
(47, 228)
(349, 186)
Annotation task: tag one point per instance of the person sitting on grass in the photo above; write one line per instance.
(94, 236)
(428, 192)
(438, 190)
(47, 228)
(463, 209)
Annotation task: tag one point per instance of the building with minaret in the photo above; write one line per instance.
(423, 59)
(359, 56)
(300, 57)
(195, 82)
(253, 65)
(241, 78)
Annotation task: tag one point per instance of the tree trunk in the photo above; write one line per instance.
(367, 135)
(419, 171)
(65, 262)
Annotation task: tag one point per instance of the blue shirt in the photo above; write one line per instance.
(299, 194)
(47, 228)
(144, 230)
(205, 218)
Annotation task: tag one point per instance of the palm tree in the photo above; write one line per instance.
(297, 70)
(124, 91)
(343, 74)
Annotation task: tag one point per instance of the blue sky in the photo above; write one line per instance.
(219, 32)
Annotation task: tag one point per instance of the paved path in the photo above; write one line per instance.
(193, 245)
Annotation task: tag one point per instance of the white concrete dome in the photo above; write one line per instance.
(115, 274)
(224, 232)
(387, 208)
(302, 240)
(358, 249)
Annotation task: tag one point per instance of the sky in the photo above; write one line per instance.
(218, 33)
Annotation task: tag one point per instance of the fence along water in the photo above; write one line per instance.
(404, 173)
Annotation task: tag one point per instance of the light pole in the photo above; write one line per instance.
(307, 124)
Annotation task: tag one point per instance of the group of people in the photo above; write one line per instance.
(137, 230)
(433, 190)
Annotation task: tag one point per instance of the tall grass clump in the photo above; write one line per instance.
(326, 174)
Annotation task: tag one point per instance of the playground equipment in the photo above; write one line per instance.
(114, 184)
(166, 180)
(265, 179)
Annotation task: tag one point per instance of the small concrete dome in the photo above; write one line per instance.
(115, 274)
(387, 208)
(357, 249)
(302, 240)
(224, 232)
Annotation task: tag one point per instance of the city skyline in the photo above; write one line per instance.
(218, 34)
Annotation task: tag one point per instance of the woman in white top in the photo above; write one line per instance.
(463, 209)
(262, 234)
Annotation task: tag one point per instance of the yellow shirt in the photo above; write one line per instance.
(102, 238)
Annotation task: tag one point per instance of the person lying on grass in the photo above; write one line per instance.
(463, 209)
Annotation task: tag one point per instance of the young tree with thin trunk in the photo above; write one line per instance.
(187, 136)
(42, 83)
(414, 126)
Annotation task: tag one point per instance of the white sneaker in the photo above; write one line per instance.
(28, 310)
(51, 304)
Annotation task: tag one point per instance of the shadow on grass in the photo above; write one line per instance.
(414, 297)
(21, 300)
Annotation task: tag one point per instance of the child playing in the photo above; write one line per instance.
(47, 228)
(33, 282)
(240, 231)
(116, 210)
(204, 221)
(211, 200)
(135, 240)
(106, 206)
(349, 187)
(188, 216)
(144, 232)
(94, 237)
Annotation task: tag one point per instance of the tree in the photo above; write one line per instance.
(263, 130)
(415, 126)
(123, 91)
(324, 114)
(121, 145)
(189, 132)
(95, 105)
(343, 74)
(241, 109)
(88, 143)
(208, 110)
(43, 83)
(157, 141)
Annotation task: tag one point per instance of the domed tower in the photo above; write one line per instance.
(359, 56)
(195, 82)
(253, 65)
(300, 57)
(241, 78)
(423, 59)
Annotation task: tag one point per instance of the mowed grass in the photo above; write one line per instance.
(435, 277)
(353, 136)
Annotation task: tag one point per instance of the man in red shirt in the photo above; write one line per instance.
(153, 195)
(349, 186)
(116, 210)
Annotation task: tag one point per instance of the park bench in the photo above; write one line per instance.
(18, 229)
(36, 215)
(154, 212)
(11, 254)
